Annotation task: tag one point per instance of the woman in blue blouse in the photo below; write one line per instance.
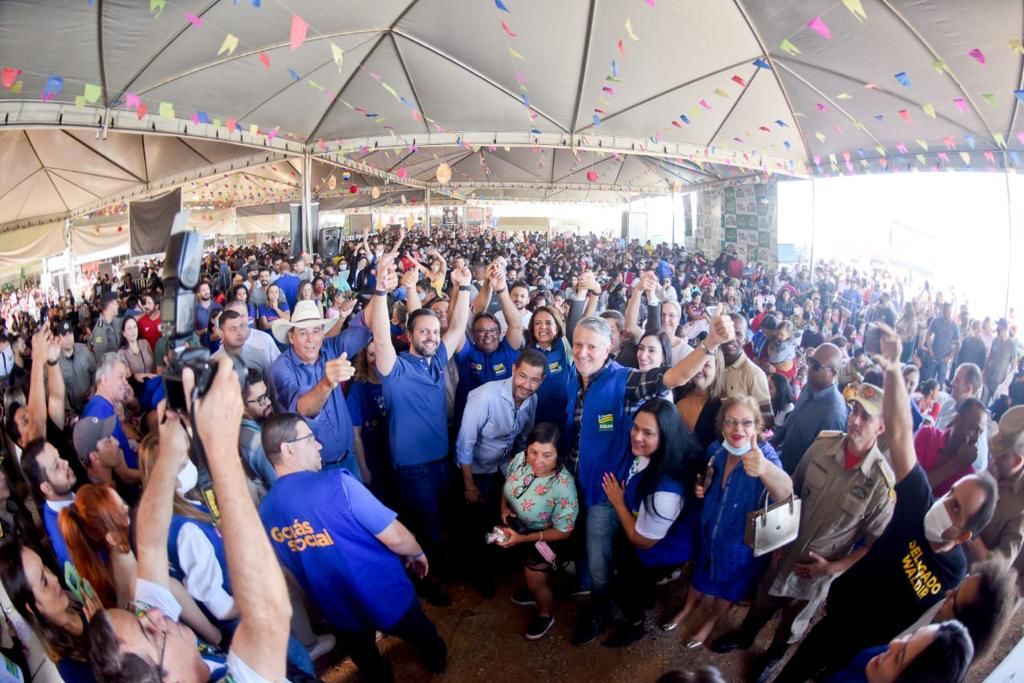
(547, 335)
(740, 471)
(657, 508)
(365, 403)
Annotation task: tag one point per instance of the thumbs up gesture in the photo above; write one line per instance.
(721, 328)
(754, 462)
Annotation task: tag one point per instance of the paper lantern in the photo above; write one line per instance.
(444, 173)
(592, 175)
(120, 228)
(332, 182)
(352, 189)
(375, 192)
(677, 186)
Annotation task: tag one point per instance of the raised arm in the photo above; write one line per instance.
(721, 330)
(633, 310)
(459, 317)
(483, 297)
(412, 295)
(261, 596)
(899, 424)
(37, 388)
(380, 325)
(154, 517)
(55, 396)
(514, 331)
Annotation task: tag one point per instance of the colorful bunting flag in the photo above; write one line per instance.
(966, 158)
(1017, 46)
(990, 98)
(903, 78)
(507, 30)
(940, 66)
(166, 110)
(960, 104)
(978, 55)
(156, 7)
(8, 76)
(928, 109)
(194, 20)
(229, 45)
(131, 101)
(905, 115)
(54, 86)
(1000, 140)
(516, 55)
(338, 55)
(844, 96)
(265, 59)
(629, 30)
(762, 64)
(736, 79)
(820, 136)
(821, 107)
(856, 8)
(92, 93)
(298, 33)
(820, 27)
(293, 73)
(788, 47)
(721, 93)
(500, 5)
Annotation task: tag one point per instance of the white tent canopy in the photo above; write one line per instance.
(576, 100)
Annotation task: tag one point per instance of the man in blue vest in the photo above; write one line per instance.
(347, 550)
(413, 389)
(599, 418)
(488, 356)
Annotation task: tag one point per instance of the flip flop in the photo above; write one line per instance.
(694, 644)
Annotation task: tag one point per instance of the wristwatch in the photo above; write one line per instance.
(465, 288)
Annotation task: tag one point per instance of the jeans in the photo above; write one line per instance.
(602, 523)
(421, 492)
(414, 628)
(480, 519)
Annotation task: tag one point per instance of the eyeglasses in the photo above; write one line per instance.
(524, 487)
(733, 422)
(302, 438)
(488, 332)
(260, 399)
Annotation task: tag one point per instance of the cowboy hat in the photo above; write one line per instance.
(305, 315)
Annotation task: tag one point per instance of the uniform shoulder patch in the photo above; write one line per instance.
(829, 434)
(887, 474)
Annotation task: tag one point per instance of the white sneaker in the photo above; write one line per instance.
(324, 644)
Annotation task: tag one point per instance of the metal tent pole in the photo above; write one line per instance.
(1009, 235)
(307, 200)
(814, 225)
(427, 203)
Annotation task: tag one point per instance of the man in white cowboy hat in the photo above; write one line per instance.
(1002, 537)
(307, 375)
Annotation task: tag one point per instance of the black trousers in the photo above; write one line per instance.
(828, 647)
(414, 628)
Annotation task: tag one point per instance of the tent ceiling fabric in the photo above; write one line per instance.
(640, 93)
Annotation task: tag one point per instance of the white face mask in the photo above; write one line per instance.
(188, 477)
(936, 521)
(742, 449)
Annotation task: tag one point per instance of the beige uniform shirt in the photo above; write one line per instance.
(839, 508)
(1004, 533)
(743, 378)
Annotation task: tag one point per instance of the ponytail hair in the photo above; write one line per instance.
(85, 525)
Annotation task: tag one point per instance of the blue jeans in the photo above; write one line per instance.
(421, 492)
(601, 525)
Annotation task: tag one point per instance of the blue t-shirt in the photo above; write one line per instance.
(292, 378)
(289, 284)
(417, 412)
(366, 406)
(323, 527)
(102, 408)
(269, 313)
(60, 548)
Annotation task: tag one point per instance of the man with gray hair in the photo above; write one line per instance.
(967, 383)
(599, 418)
(112, 388)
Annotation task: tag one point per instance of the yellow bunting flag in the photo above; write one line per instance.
(1000, 140)
(166, 110)
(515, 54)
(92, 93)
(929, 110)
(856, 8)
(940, 66)
(629, 29)
(80, 101)
(820, 136)
(966, 158)
(844, 96)
(789, 48)
(922, 144)
(338, 55)
(229, 45)
(156, 7)
(921, 159)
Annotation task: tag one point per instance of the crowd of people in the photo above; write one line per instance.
(456, 405)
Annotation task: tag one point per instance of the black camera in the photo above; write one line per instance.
(182, 263)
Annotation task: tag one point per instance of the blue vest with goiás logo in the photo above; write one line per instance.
(559, 383)
(603, 431)
(677, 547)
(476, 368)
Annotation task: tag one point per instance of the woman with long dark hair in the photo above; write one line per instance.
(658, 510)
(547, 335)
(58, 621)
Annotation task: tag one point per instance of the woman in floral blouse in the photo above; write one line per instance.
(540, 501)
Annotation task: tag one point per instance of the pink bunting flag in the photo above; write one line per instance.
(883, 162)
(960, 104)
(905, 115)
(8, 76)
(704, 103)
(943, 156)
(131, 100)
(978, 55)
(846, 157)
(608, 89)
(948, 142)
(520, 79)
(622, 50)
(990, 157)
(742, 83)
(195, 119)
(272, 134)
(402, 173)
(650, 3)
(194, 20)
(298, 33)
(231, 125)
(507, 30)
(822, 108)
(901, 147)
(1020, 136)
(872, 86)
(141, 110)
(819, 26)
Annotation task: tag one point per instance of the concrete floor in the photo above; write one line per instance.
(486, 643)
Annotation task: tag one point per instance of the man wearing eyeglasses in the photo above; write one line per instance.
(820, 408)
(257, 408)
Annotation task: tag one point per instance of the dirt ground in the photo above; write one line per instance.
(486, 643)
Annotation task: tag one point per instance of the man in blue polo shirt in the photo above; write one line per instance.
(112, 388)
(413, 388)
(50, 475)
(307, 376)
(346, 549)
(488, 357)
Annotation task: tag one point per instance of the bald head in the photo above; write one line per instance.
(823, 367)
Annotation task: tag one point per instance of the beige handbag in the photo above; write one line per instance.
(773, 526)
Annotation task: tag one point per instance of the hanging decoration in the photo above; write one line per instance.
(444, 173)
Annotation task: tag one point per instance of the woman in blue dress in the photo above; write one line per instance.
(658, 509)
(547, 335)
(741, 469)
